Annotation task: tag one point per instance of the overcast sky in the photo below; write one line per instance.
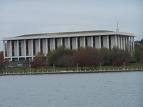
(19, 17)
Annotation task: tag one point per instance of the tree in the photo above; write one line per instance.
(120, 57)
(39, 61)
(138, 53)
(58, 56)
(2, 61)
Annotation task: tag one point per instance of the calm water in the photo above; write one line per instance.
(73, 90)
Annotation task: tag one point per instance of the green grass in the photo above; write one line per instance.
(50, 69)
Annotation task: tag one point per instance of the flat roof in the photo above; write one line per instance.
(68, 34)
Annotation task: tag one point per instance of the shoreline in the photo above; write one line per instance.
(69, 72)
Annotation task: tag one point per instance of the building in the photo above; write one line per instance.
(25, 47)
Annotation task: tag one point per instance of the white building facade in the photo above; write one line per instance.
(25, 47)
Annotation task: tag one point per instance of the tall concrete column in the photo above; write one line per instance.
(47, 46)
(61, 41)
(126, 43)
(18, 49)
(10, 50)
(121, 42)
(99, 46)
(39, 45)
(129, 49)
(54, 44)
(133, 44)
(84, 42)
(25, 49)
(76, 43)
(116, 42)
(67, 40)
(4, 50)
(107, 42)
(32, 55)
(91, 39)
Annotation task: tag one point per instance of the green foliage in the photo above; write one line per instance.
(39, 60)
(58, 57)
(2, 61)
(88, 57)
(138, 53)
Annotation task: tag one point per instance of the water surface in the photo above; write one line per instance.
(73, 90)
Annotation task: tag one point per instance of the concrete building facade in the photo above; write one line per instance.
(25, 47)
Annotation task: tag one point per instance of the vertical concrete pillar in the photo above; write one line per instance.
(84, 41)
(32, 49)
(18, 50)
(54, 44)
(126, 42)
(4, 50)
(10, 50)
(25, 49)
(99, 46)
(121, 42)
(129, 48)
(61, 41)
(46, 46)
(116, 41)
(133, 44)
(76, 42)
(39, 45)
(91, 40)
(67, 40)
(107, 42)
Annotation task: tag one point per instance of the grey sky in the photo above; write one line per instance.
(19, 17)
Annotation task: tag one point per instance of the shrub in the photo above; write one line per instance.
(39, 61)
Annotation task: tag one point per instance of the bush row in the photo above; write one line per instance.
(82, 57)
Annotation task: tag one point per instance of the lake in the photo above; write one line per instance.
(122, 89)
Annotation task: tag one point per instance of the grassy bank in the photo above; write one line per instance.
(54, 70)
